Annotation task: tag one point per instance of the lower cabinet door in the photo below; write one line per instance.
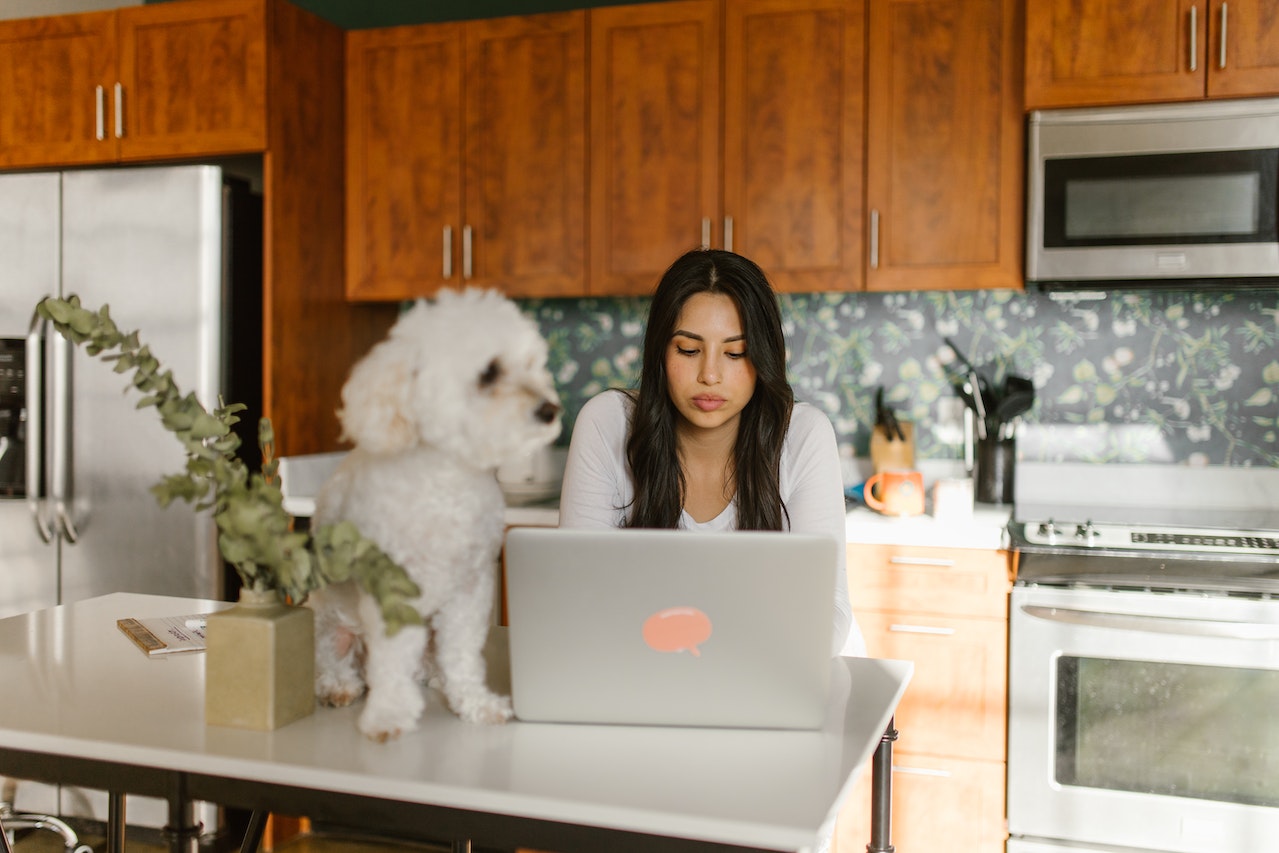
(939, 805)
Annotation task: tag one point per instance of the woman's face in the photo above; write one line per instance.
(710, 377)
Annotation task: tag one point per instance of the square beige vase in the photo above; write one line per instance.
(260, 663)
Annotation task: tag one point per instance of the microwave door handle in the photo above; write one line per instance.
(1155, 624)
(35, 426)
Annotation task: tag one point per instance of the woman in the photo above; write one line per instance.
(713, 439)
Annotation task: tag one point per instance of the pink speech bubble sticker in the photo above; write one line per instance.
(677, 629)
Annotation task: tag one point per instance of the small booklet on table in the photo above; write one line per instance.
(166, 634)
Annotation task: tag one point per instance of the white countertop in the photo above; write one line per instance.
(983, 531)
(86, 691)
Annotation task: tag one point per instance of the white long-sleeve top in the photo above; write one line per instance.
(598, 490)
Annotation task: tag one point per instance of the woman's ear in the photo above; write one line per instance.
(375, 412)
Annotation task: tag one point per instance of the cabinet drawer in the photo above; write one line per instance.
(938, 804)
(956, 704)
(948, 581)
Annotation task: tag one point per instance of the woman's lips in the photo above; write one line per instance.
(707, 403)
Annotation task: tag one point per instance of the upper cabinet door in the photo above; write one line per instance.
(794, 119)
(525, 139)
(56, 80)
(1243, 52)
(655, 139)
(403, 160)
(193, 79)
(1114, 51)
(945, 145)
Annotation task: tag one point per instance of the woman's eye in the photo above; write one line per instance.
(684, 350)
(736, 354)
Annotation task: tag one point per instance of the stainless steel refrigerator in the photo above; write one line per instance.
(175, 251)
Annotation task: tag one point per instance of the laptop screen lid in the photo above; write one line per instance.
(670, 627)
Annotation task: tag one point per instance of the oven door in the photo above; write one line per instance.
(1144, 719)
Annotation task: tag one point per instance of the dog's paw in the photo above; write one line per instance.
(334, 692)
(487, 708)
(383, 724)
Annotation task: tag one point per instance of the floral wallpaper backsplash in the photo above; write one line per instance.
(1142, 375)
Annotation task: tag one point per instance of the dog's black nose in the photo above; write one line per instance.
(546, 412)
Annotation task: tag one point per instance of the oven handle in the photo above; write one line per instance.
(1155, 624)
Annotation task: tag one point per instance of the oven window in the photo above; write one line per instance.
(1181, 730)
(1161, 199)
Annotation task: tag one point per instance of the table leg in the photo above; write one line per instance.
(881, 794)
(182, 830)
(463, 846)
(115, 822)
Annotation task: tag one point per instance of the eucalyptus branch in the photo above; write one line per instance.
(255, 534)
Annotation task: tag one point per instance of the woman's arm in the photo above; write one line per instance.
(596, 486)
(813, 490)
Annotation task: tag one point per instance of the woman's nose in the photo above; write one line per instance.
(709, 374)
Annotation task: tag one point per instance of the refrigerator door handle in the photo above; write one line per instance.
(35, 427)
(60, 489)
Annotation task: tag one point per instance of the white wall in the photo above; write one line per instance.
(36, 8)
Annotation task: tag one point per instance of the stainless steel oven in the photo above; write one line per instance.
(1144, 663)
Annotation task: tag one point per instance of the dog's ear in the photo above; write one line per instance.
(375, 413)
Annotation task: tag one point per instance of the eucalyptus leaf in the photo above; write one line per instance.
(255, 534)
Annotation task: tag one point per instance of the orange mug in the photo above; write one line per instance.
(901, 493)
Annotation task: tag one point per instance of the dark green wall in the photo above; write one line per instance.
(363, 14)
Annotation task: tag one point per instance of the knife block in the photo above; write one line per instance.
(892, 453)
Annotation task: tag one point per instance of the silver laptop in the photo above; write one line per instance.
(670, 627)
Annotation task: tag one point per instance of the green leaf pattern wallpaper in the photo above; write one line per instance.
(1174, 376)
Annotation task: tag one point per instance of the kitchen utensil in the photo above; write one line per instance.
(902, 492)
(979, 404)
(885, 417)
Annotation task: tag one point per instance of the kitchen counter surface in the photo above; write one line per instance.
(864, 526)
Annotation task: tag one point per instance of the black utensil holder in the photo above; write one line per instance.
(993, 470)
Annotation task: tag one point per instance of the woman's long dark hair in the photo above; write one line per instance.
(651, 448)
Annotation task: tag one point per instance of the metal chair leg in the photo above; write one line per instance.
(881, 798)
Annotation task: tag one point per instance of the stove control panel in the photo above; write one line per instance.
(1089, 534)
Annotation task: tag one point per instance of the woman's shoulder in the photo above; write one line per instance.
(608, 412)
(806, 419)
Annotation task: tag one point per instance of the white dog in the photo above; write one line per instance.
(458, 387)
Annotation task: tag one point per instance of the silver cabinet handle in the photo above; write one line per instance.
(60, 490)
(1194, 38)
(35, 426)
(1155, 624)
(921, 561)
(466, 253)
(1221, 60)
(921, 629)
(119, 111)
(874, 239)
(100, 96)
(448, 252)
(728, 233)
(706, 232)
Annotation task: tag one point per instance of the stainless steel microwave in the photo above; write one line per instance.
(1157, 192)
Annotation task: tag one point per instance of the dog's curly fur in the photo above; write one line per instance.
(458, 387)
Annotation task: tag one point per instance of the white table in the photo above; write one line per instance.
(84, 706)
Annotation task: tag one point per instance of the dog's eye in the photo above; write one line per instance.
(490, 374)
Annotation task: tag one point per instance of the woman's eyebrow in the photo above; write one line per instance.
(680, 333)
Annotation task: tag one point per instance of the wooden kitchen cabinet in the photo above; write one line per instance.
(781, 183)
(1110, 52)
(466, 157)
(141, 83)
(945, 147)
(946, 610)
